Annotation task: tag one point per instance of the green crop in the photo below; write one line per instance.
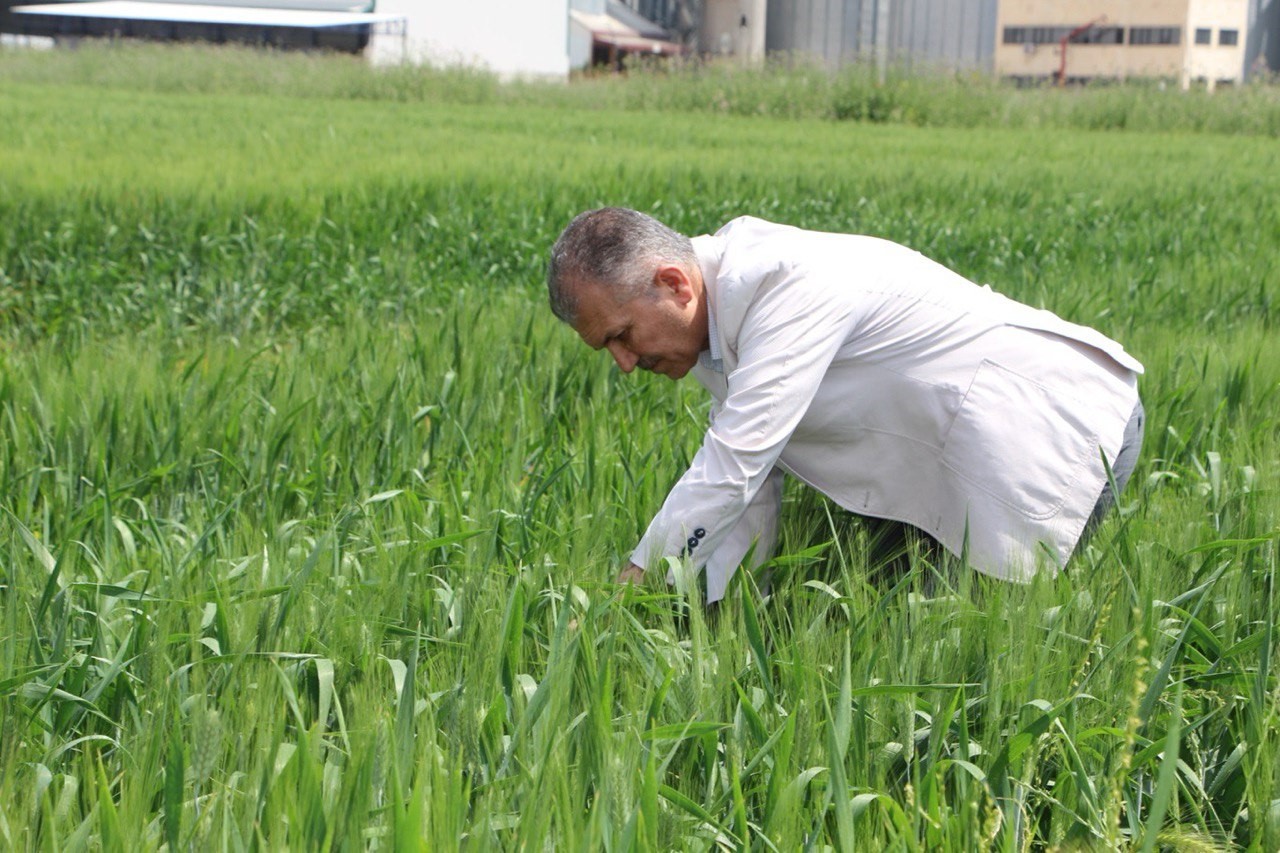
(310, 508)
(785, 87)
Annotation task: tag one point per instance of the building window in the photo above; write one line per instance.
(1030, 35)
(1100, 35)
(1204, 35)
(1053, 35)
(1228, 38)
(1157, 35)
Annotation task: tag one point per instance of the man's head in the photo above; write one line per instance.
(629, 284)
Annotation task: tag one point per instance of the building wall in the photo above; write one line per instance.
(1182, 60)
(954, 34)
(580, 43)
(1215, 62)
(580, 38)
(525, 39)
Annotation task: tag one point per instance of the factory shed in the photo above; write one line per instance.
(333, 28)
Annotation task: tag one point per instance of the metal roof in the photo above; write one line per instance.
(182, 13)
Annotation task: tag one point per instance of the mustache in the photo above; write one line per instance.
(647, 363)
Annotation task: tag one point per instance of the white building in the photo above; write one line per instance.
(513, 38)
(526, 38)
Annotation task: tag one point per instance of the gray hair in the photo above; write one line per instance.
(613, 247)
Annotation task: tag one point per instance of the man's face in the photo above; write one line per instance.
(657, 331)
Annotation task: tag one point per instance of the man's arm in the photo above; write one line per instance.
(758, 528)
(793, 330)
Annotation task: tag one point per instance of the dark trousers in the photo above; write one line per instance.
(1121, 469)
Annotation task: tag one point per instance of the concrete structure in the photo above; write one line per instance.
(736, 28)
(1189, 41)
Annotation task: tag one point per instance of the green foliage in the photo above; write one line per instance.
(785, 87)
(311, 508)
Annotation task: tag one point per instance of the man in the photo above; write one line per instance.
(891, 384)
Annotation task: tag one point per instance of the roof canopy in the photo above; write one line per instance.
(236, 16)
(608, 30)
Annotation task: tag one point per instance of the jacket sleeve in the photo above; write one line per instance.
(790, 335)
(757, 528)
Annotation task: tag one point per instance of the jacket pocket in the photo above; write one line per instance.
(1019, 442)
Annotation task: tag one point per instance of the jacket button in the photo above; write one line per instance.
(700, 532)
(693, 543)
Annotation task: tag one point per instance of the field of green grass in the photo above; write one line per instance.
(309, 509)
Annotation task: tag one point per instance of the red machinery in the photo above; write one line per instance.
(1062, 46)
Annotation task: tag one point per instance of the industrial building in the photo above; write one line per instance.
(1200, 42)
(1210, 42)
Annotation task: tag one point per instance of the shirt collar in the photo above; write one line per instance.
(711, 358)
(709, 250)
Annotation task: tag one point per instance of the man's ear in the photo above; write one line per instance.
(674, 280)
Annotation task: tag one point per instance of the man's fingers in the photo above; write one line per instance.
(631, 574)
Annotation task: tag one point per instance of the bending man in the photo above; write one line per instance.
(896, 387)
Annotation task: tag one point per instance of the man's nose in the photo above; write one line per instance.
(625, 358)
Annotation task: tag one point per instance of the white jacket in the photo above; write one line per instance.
(899, 389)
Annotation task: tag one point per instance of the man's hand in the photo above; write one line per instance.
(631, 574)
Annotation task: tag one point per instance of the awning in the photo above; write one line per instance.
(232, 16)
(609, 31)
